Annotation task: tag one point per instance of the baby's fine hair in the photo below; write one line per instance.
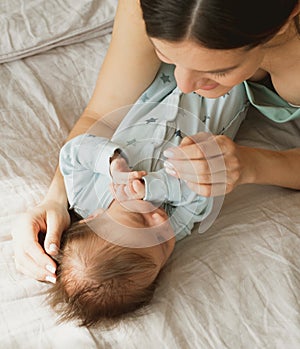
(99, 282)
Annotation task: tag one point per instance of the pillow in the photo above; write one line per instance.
(33, 26)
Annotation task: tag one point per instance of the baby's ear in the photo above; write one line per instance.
(92, 216)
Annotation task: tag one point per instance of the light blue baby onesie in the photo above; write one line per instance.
(270, 104)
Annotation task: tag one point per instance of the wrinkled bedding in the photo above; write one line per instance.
(235, 286)
(31, 27)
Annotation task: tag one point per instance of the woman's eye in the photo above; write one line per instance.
(220, 75)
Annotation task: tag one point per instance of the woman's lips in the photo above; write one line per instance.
(208, 87)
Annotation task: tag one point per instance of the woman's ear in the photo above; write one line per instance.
(98, 212)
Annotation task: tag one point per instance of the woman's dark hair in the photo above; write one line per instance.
(217, 24)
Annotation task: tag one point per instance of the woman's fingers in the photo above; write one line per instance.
(204, 171)
(218, 177)
(206, 166)
(205, 184)
(33, 269)
(30, 268)
(208, 190)
(57, 222)
(31, 260)
(195, 148)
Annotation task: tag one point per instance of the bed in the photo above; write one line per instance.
(235, 286)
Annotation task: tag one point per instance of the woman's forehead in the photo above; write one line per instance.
(188, 53)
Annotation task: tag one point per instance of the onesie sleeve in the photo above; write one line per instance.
(161, 187)
(183, 218)
(84, 163)
(184, 207)
(89, 152)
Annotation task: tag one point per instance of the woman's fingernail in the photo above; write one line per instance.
(53, 248)
(168, 154)
(50, 268)
(50, 279)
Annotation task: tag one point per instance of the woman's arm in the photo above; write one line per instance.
(129, 67)
(262, 166)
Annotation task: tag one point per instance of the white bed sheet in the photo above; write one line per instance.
(33, 26)
(236, 286)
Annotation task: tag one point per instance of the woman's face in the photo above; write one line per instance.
(208, 72)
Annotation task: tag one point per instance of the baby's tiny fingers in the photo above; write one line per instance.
(139, 188)
(130, 192)
(136, 175)
(119, 192)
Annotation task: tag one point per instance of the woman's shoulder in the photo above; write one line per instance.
(285, 84)
(130, 64)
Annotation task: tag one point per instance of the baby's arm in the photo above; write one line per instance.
(184, 207)
(194, 209)
(87, 152)
(84, 163)
(157, 187)
(163, 188)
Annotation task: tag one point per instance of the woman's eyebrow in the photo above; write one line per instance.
(202, 71)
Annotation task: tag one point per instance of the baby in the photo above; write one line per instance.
(110, 260)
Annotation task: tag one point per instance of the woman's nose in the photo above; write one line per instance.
(188, 81)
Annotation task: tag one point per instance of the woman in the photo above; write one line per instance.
(214, 45)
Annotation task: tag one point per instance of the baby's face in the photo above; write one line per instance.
(138, 224)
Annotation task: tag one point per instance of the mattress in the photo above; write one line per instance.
(234, 286)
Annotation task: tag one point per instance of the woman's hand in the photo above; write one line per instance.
(211, 165)
(49, 218)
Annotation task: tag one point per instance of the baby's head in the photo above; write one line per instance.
(103, 275)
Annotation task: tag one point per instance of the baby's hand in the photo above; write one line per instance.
(121, 173)
(133, 190)
(127, 184)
